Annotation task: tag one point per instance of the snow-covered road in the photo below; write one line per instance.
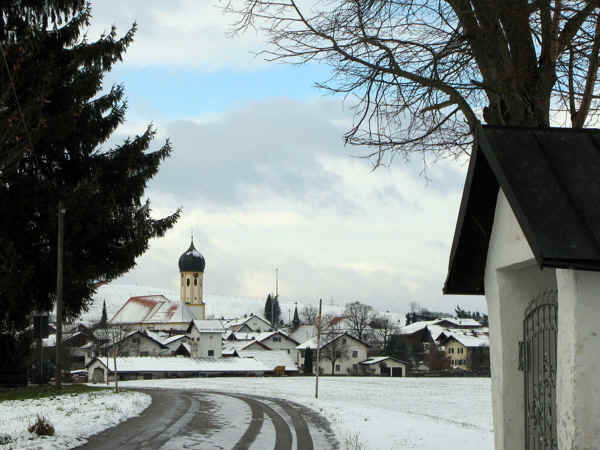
(380, 413)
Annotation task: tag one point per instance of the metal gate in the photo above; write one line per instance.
(537, 360)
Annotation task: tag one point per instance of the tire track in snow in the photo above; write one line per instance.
(283, 434)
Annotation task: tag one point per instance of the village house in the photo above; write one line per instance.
(340, 354)
(206, 338)
(249, 324)
(270, 340)
(420, 337)
(468, 351)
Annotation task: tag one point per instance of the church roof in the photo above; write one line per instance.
(152, 309)
(551, 179)
(191, 260)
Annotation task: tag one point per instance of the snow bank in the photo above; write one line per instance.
(382, 413)
(74, 417)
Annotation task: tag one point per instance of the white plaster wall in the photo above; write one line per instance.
(257, 324)
(284, 344)
(144, 345)
(347, 361)
(203, 342)
(512, 279)
(389, 363)
(578, 360)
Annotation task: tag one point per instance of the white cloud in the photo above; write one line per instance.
(270, 185)
(178, 33)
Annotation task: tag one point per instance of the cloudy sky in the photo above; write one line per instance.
(264, 180)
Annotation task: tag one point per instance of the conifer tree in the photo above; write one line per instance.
(268, 309)
(107, 223)
(296, 320)
(104, 318)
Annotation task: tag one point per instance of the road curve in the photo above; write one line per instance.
(185, 419)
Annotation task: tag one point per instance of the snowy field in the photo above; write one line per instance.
(74, 417)
(381, 413)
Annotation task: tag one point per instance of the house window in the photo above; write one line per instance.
(188, 282)
(276, 338)
(355, 354)
(211, 353)
(337, 367)
(195, 281)
(288, 350)
(338, 354)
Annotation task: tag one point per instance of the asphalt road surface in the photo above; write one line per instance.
(184, 419)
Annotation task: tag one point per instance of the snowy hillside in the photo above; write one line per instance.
(216, 305)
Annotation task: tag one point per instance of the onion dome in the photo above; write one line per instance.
(192, 260)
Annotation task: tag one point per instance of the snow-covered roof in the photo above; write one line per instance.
(445, 322)
(325, 340)
(230, 346)
(303, 333)
(471, 340)
(262, 336)
(208, 326)
(271, 358)
(182, 364)
(378, 359)
(171, 339)
(236, 323)
(152, 309)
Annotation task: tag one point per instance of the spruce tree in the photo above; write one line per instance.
(268, 309)
(104, 318)
(107, 223)
(296, 320)
(276, 311)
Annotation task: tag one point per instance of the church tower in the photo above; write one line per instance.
(191, 268)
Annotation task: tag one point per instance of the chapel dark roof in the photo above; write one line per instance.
(191, 260)
(551, 179)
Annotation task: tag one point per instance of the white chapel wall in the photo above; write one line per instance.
(512, 279)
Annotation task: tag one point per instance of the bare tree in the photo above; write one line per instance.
(308, 314)
(436, 359)
(334, 350)
(359, 317)
(383, 329)
(421, 74)
(114, 336)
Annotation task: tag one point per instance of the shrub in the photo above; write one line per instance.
(353, 442)
(41, 427)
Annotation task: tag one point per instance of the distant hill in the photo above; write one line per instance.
(217, 306)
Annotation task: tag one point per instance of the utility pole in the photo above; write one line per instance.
(59, 291)
(318, 348)
(276, 297)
